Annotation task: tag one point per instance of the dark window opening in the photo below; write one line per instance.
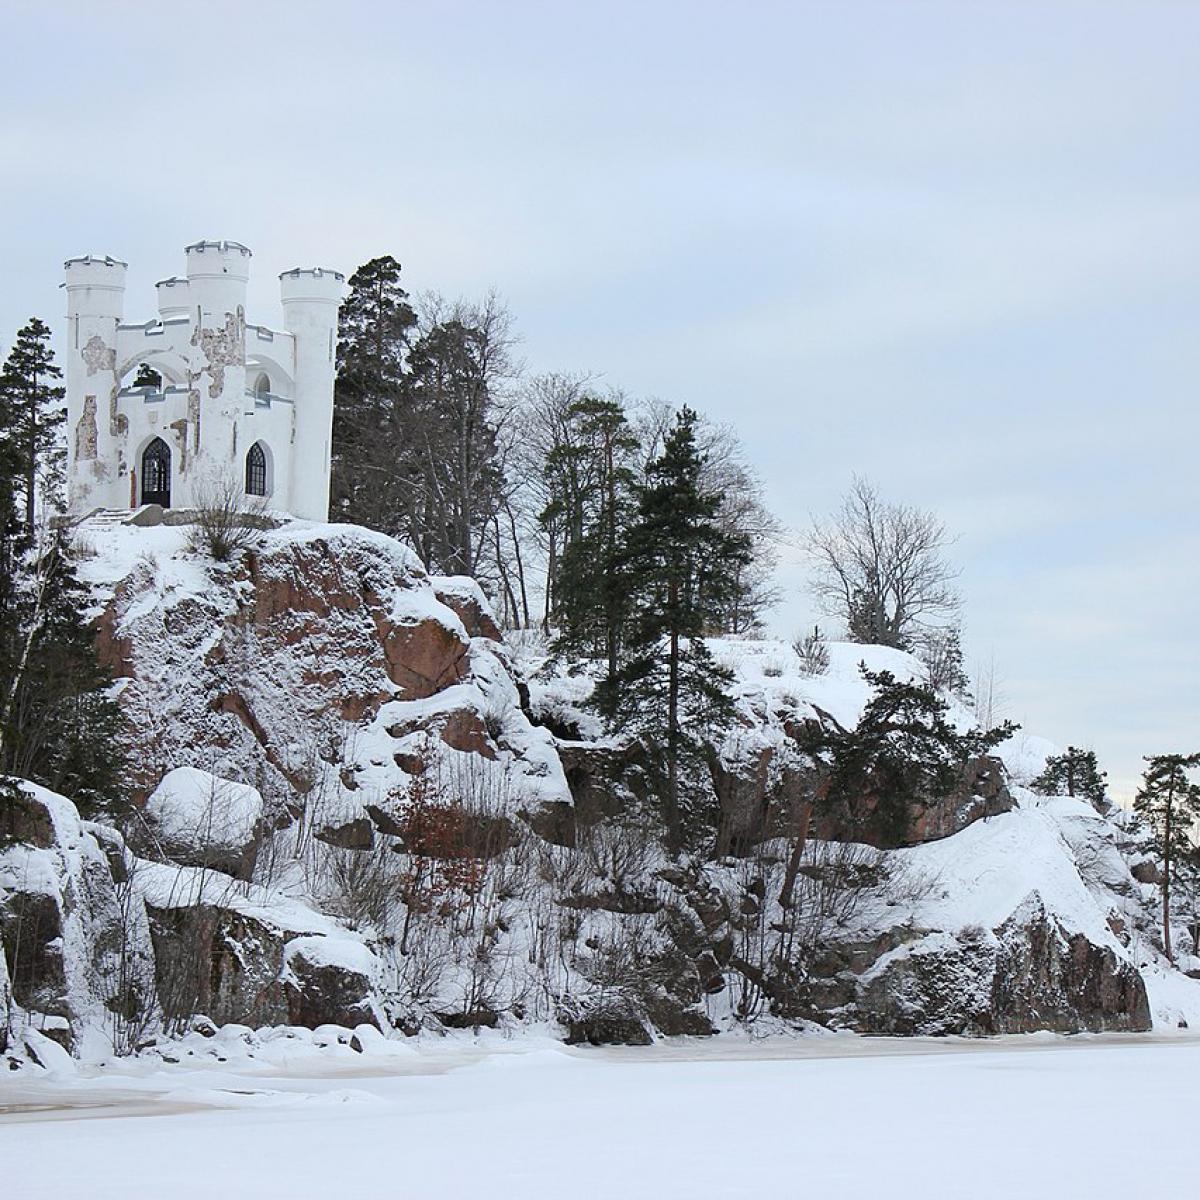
(256, 471)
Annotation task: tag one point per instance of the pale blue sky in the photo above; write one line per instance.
(952, 247)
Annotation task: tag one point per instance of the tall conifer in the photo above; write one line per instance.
(1170, 803)
(58, 721)
(31, 420)
(681, 568)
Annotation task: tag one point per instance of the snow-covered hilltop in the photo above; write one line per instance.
(356, 805)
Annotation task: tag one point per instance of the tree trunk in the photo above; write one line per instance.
(45, 567)
(673, 723)
(801, 822)
(516, 541)
(1166, 882)
(31, 463)
(551, 567)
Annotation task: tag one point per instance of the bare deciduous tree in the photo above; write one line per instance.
(227, 520)
(882, 568)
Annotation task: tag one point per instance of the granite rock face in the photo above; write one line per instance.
(1027, 975)
(408, 849)
(78, 962)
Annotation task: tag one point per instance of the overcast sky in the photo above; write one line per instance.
(952, 247)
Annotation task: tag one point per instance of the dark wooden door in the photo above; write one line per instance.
(156, 473)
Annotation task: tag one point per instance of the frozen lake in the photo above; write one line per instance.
(1017, 1117)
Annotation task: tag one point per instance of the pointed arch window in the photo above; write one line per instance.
(156, 473)
(256, 470)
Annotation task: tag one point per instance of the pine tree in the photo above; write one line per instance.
(415, 440)
(1075, 773)
(13, 539)
(1170, 803)
(31, 420)
(592, 485)
(904, 751)
(680, 567)
(59, 725)
(455, 481)
(375, 327)
(940, 652)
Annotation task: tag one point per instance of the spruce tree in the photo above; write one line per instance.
(1075, 773)
(31, 420)
(680, 568)
(1169, 802)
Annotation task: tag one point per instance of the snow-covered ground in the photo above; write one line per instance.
(1028, 1117)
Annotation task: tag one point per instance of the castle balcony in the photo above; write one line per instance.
(264, 399)
(152, 395)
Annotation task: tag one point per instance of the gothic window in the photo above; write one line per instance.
(262, 386)
(256, 471)
(156, 473)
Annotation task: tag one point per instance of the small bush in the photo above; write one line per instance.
(813, 652)
(226, 520)
(494, 721)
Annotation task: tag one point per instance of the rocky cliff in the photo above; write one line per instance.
(352, 809)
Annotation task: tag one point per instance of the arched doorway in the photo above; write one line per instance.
(156, 473)
(256, 470)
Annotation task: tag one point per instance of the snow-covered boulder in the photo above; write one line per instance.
(212, 959)
(202, 821)
(249, 955)
(1010, 927)
(465, 597)
(329, 980)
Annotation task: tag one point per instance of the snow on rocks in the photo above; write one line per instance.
(310, 670)
(79, 962)
(200, 820)
(1011, 926)
(311, 694)
(1024, 756)
(330, 981)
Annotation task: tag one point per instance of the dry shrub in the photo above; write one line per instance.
(226, 520)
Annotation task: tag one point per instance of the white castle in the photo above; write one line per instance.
(231, 405)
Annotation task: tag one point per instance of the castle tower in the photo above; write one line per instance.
(201, 434)
(310, 313)
(217, 274)
(96, 431)
(173, 298)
